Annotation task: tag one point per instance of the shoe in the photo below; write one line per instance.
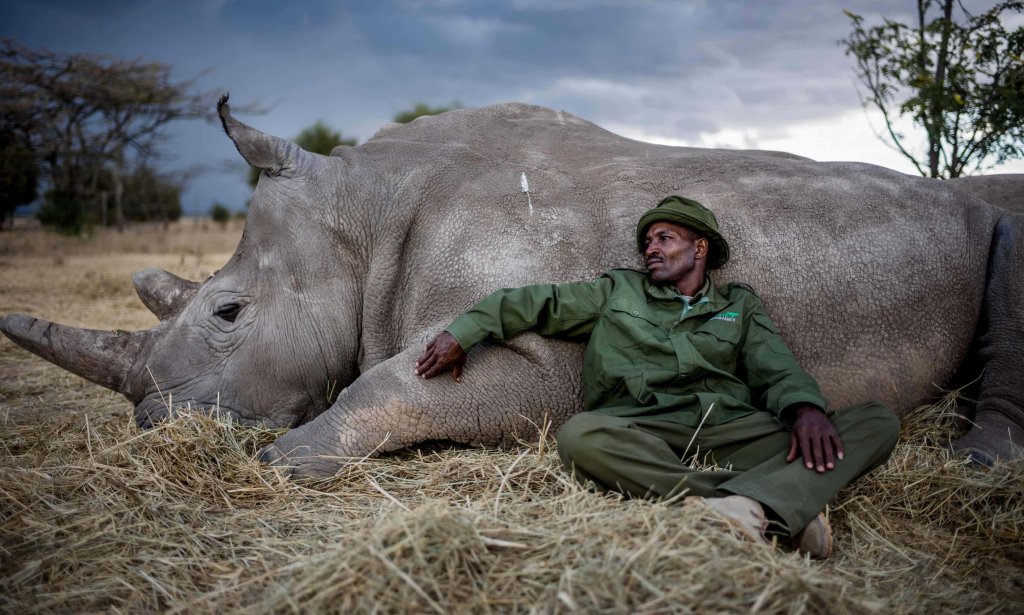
(744, 514)
(815, 539)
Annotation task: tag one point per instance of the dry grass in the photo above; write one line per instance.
(98, 516)
(86, 281)
(187, 236)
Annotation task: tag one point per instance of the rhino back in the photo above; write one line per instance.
(874, 277)
(1005, 191)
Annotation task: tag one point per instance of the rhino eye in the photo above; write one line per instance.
(228, 312)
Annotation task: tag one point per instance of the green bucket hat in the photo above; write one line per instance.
(694, 216)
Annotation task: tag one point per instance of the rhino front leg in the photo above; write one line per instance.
(505, 393)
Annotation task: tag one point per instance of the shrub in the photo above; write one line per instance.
(220, 214)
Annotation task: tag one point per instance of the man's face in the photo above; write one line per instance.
(672, 252)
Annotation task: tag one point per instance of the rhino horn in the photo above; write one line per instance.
(164, 293)
(274, 155)
(104, 357)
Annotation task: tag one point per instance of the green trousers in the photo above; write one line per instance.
(646, 458)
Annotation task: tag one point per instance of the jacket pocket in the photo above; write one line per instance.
(627, 391)
(636, 386)
(629, 324)
(717, 343)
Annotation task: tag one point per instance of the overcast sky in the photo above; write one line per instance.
(725, 73)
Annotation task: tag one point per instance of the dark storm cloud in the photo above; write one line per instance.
(675, 69)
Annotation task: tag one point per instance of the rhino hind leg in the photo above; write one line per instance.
(998, 422)
(506, 394)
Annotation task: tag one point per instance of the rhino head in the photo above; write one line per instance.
(270, 338)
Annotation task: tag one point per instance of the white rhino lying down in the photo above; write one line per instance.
(349, 263)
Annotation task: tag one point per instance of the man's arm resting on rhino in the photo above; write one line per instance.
(814, 438)
(563, 310)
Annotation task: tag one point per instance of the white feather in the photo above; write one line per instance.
(526, 188)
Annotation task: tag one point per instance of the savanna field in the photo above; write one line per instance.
(97, 516)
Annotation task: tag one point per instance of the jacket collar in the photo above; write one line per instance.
(669, 292)
(715, 300)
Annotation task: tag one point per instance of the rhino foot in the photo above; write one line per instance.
(299, 460)
(994, 437)
(974, 454)
(269, 455)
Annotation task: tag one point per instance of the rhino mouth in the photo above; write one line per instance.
(151, 412)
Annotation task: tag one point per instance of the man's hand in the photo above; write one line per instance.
(442, 353)
(816, 439)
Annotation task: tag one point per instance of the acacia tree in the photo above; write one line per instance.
(960, 78)
(318, 138)
(84, 115)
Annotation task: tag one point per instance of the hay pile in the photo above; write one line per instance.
(96, 515)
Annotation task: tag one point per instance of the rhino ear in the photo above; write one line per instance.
(165, 294)
(274, 155)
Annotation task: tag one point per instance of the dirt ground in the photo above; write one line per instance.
(98, 516)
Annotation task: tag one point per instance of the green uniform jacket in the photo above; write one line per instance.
(649, 354)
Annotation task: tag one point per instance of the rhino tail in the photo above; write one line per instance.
(275, 156)
(998, 351)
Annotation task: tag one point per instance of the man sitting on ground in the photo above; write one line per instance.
(678, 371)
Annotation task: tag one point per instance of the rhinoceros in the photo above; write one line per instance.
(1005, 191)
(883, 284)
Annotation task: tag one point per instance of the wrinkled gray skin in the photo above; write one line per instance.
(350, 263)
(1005, 190)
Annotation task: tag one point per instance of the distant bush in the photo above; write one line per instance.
(147, 196)
(421, 109)
(60, 211)
(150, 196)
(220, 214)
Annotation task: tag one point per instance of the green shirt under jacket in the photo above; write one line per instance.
(649, 354)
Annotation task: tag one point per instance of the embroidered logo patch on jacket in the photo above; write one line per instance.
(727, 316)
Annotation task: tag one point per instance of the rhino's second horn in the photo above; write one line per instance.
(164, 293)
